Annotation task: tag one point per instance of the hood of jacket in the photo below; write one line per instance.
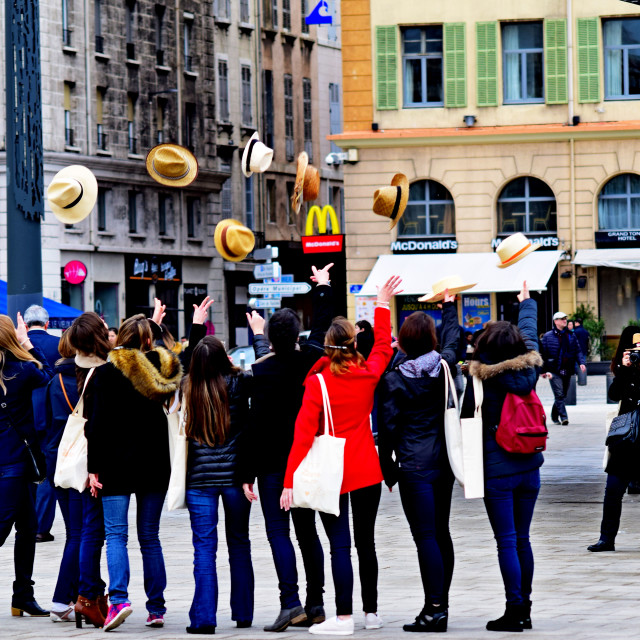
(485, 371)
(155, 374)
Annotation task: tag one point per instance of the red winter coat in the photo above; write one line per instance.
(351, 397)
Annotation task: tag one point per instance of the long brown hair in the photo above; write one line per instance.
(499, 341)
(89, 336)
(206, 398)
(340, 346)
(65, 348)
(9, 344)
(135, 333)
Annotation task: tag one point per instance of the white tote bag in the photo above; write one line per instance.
(178, 449)
(71, 464)
(318, 479)
(452, 427)
(472, 457)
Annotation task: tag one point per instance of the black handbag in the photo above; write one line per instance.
(624, 430)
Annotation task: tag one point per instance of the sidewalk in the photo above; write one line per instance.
(576, 593)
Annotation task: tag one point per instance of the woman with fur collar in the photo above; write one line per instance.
(507, 361)
(129, 454)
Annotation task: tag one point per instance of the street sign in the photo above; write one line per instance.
(355, 288)
(317, 16)
(261, 303)
(268, 253)
(269, 270)
(281, 287)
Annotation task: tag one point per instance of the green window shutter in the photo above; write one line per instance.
(555, 61)
(487, 63)
(386, 68)
(455, 71)
(588, 60)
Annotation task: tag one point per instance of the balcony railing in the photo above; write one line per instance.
(66, 37)
(133, 145)
(68, 137)
(131, 51)
(160, 58)
(102, 139)
(99, 44)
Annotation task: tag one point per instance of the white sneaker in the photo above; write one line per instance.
(333, 627)
(373, 621)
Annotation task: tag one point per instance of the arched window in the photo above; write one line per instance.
(430, 211)
(527, 205)
(619, 203)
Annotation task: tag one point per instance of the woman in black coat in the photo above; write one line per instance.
(411, 406)
(623, 466)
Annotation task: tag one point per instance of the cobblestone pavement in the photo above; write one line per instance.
(576, 593)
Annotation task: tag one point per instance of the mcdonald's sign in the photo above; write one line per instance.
(322, 243)
(328, 213)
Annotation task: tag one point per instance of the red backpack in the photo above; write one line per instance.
(523, 424)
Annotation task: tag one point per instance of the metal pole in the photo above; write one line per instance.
(25, 182)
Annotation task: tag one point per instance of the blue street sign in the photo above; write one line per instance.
(355, 288)
(317, 16)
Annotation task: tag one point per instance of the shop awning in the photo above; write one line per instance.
(420, 271)
(616, 258)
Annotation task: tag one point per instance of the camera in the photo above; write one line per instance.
(634, 358)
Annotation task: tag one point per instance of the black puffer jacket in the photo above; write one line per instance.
(223, 465)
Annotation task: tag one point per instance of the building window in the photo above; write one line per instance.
(160, 9)
(291, 216)
(272, 215)
(335, 117)
(97, 18)
(223, 91)
(527, 205)
(131, 123)
(245, 74)
(101, 135)
(68, 128)
(223, 9)
(248, 202)
(430, 211)
(288, 117)
(308, 124)
(522, 62)
(133, 212)
(268, 107)
(244, 11)
(188, 58)
(130, 30)
(619, 203)
(66, 29)
(190, 125)
(422, 64)
(304, 27)
(161, 108)
(193, 217)
(286, 15)
(274, 13)
(622, 58)
(102, 209)
(162, 214)
(226, 203)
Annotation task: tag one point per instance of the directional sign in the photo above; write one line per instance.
(282, 287)
(268, 253)
(260, 303)
(269, 270)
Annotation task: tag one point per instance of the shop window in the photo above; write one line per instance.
(422, 65)
(522, 50)
(619, 203)
(430, 211)
(527, 205)
(622, 59)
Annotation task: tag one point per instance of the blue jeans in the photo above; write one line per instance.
(45, 506)
(427, 506)
(116, 525)
(70, 502)
(90, 584)
(510, 502)
(203, 510)
(277, 524)
(612, 507)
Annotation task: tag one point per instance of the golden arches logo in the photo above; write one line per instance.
(327, 213)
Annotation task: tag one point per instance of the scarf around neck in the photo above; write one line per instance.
(429, 363)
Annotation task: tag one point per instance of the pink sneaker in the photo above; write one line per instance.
(155, 620)
(118, 613)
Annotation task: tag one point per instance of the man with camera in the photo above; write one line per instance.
(561, 352)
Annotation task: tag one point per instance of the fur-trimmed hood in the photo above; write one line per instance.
(155, 374)
(486, 371)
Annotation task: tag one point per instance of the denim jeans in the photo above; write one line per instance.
(45, 506)
(560, 387)
(70, 502)
(116, 526)
(17, 507)
(90, 584)
(612, 507)
(510, 502)
(427, 506)
(277, 524)
(203, 510)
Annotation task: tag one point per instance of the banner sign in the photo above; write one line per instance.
(446, 244)
(618, 239)
(545, 242)
(153, 268)
(322, 244)
(476, 312)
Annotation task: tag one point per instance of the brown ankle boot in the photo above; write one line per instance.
(103, 604)
(90, 611)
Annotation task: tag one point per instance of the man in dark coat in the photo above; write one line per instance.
(582, 335)
(561, 353)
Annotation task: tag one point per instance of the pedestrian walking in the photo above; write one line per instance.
(561, 353)
(351, 382)
(623, 465)
(506, 361)
(411, 425)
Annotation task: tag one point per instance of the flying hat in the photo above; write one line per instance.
(453, 283)
(233, 240)
(391, 202)
(636, 342)
(513, 249)
(256, 156)
(72, 193)
(307, 186)
(172, 165)
(560, 315)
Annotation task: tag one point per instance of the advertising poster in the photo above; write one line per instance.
(476, 312)
(406, 305)
(365, 306)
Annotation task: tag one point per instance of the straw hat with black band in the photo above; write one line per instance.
(513, 249)
(307, 185)
(453, 284)
(72, 193)
(172, 165)
(391, 202)
(233, 240)
(256, 157)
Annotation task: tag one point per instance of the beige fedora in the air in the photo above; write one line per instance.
(307, 186)
(513, 249)
(233, 240)
(172, 165)
(391, 201)
(452, 283)
(72, 193)
(256, 157)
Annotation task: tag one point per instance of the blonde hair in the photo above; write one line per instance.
(135, 333)
(9, 343)
(65, 348)
(340, 346)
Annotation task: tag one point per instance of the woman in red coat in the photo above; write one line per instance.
(351, 382)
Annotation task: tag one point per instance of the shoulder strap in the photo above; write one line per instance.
(328, 418)
(80, 404)
(66, 397)
(448, 385)
(478, 394)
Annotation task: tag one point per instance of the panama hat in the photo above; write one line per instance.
(233, 240)
(636, 342)
(256, 156)
(72, 193)
(513, 249)
(172, 165)
(453, 283)
(391, 202)
(307, 186)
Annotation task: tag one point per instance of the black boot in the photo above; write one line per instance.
(210, 630)
(315, 615)
(512, 620)
(30, 607)
(602, 545)
(430, 619)
(526, 620)
(287, 617)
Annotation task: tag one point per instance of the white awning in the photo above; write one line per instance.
(616, 258)
(420, 271)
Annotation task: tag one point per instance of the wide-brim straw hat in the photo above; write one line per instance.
(452, 283)
(256, 157)
(172, 165)
(72, 193)
(391, 201)
(307, 185)
(233, 240)
(513, 249)
(636, 341)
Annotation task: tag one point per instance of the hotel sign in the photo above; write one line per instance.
(618, 239)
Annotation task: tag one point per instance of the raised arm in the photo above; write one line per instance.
(197, 331)
(322, 308)
(450, 331)
(528, 318)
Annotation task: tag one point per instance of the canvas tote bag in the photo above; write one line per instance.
(452, 427)
(178, 449)
(71, 464)
(472, 458)
(318, 479)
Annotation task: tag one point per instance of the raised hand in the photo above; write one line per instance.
(21, 330)
(158, 311)
(524, 293)
(200, 310)
(256, 322)
(389, 289)
(321, 276)
(448, 297)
